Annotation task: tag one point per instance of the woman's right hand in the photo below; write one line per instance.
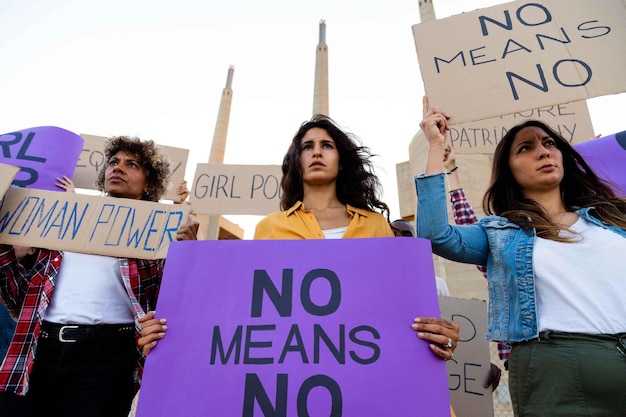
(434, 124)
(65, 183)
(152, 330)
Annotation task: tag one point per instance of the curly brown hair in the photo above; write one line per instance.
(154, 163)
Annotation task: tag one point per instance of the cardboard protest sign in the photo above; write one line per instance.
(571, 120)
(92, 160)
(89, 224)
(7, 173)
(522, 55)
(469, 368)
(236, 189)
(607, 158)
(42, 153)
(295, 328)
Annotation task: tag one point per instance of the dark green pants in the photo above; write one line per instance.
(569, 374)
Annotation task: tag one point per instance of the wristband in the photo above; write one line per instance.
(452, 170)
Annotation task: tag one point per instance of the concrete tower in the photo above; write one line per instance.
(218, 146)
(214, 226)
(427, 10)
(320, 91)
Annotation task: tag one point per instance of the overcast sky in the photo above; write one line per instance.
(156, 69)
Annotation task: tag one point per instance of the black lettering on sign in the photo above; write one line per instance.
(544, 17)
(20, 145)
(255, 392)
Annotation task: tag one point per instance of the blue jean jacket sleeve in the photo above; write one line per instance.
(465, 243)
(7, 327)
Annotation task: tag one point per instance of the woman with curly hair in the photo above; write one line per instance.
(329, 189)
(74, 351)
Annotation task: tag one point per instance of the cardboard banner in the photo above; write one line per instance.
(607, 157)
(522, 55)
(109, 226)
(571, 120)
(42, 153)
(469, 368)
(92, 160)
(236, 189)
(7, 173)
(251, 333)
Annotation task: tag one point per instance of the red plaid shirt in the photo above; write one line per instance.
(28, 293)
(464, 214)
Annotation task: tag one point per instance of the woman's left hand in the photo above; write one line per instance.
(443, 333)
(188, 231)
(152, 330)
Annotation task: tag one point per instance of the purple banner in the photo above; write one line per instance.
(295, 328)
(42, 153)
(607, 157)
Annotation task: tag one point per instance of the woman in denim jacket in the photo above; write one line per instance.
(554, 244)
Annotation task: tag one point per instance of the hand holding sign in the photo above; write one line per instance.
(65, 183)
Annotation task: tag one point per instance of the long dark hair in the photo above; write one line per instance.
(357, 185)
(580, 187)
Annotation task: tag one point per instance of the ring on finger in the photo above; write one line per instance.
(449, 344)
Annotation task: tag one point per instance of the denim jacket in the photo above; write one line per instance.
(502, 246)
(7, 327)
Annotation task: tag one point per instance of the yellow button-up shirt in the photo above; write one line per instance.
(299, 223)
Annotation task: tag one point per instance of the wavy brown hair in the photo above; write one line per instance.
(580, 188)
(357, 185)
(155, 164)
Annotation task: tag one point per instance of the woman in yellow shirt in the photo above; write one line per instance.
(329, 188)
(330, 191)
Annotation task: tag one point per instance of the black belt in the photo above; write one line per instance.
(72, 333)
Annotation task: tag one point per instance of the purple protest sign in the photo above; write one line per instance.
(295, 328)
(607, 157)
(42, 153)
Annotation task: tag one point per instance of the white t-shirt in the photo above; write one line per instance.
(335, 233)
(581, 286)
(89, 290)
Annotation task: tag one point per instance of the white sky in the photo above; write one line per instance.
(156, 69)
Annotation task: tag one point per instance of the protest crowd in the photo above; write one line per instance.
(103, 297)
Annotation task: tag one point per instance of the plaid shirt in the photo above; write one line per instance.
(28, 293)
(464, 214)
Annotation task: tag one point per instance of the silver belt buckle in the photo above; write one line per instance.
(61, 330)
